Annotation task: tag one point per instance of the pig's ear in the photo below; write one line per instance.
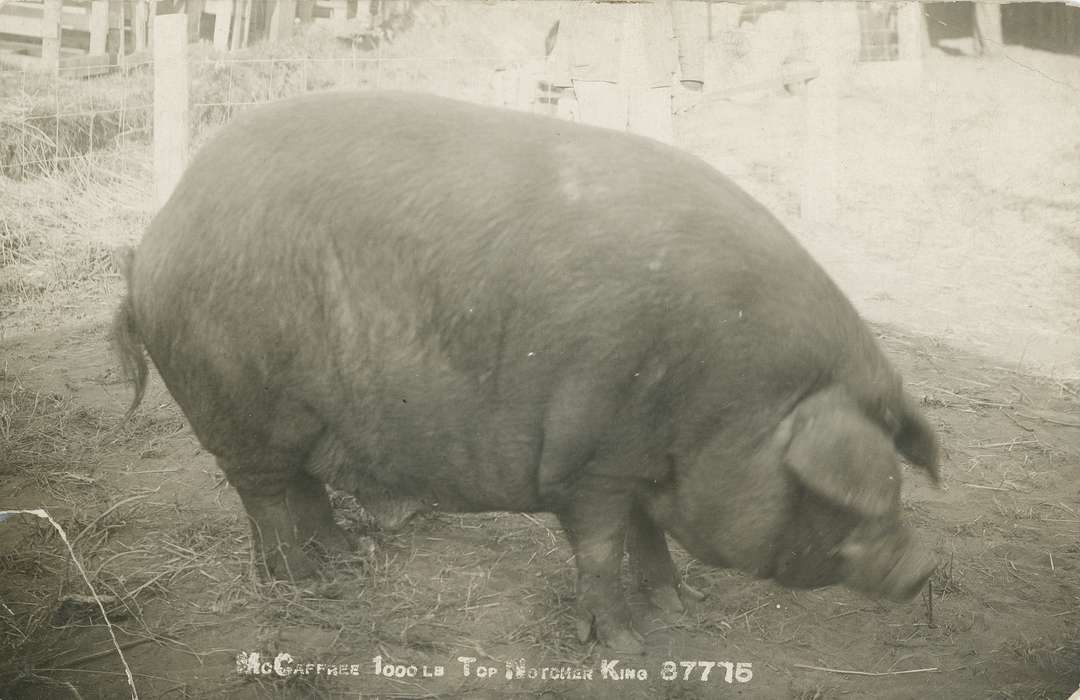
(915, 439)
(839, 454)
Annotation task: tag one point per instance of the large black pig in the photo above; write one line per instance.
(427, 302)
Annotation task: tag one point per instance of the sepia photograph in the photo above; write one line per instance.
(547, 349)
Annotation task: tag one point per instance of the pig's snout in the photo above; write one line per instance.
(895, 572)
(909, 575)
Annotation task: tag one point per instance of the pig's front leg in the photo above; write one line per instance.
(595, 523)
(651, 566)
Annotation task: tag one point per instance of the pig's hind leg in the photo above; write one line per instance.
(309, 507)
(288, 506)
(309, 500)
(265, 484)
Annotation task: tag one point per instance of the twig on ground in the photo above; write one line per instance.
(1020, 425)
(866, 673)
(110, 509)
(968, 399)
(40, 513)
(103, 653)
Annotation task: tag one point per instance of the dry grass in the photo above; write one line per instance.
(62, 235)
(143, 556)
(172, 573)
(49, 125)
(75, 161)
(178, 575)
(52, 449)
(40, 433)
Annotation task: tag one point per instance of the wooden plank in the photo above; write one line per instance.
(911, 32)
(99, 26)
(170, 103)
(237, 24)
(249, 13)
(25, 20)
(114, 41)
(23, 25)
(339, 12)
(194, 11)
(988, 37)
(49, 31)
(222, 22)
(139, 24)
(122, 13)
(1073, 14)
(305, 10)
(282, 19)
(150, 19)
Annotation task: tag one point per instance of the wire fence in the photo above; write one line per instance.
(46, 123)
(49, 122)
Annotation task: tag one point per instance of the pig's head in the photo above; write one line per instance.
(815, 502)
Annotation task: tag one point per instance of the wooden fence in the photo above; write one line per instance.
(88, 37)
(94, 36)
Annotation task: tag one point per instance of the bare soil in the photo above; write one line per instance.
(956, 235)
(173, 549)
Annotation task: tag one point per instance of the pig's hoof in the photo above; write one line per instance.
(332, 540)
(673, 599)
(290, 564)
(624, 640)
(667, 599)
(621, 639)
(584, 625)
(688, 591)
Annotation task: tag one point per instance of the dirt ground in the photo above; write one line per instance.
(954, 232)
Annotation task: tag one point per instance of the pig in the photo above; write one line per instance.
(447, 307)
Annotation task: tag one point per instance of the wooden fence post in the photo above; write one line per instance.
(988, 36)
(114, 37)
(239, 19)
(50, 35)
(122, 17)
(281, 22)
(912, 38)
(306, 11)
(912, 41)
(339, 13)
(249, 13)
(151, 19)
(222, 22)
(99, 27)
(139, 24)
(170, 104)
(194, 15)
